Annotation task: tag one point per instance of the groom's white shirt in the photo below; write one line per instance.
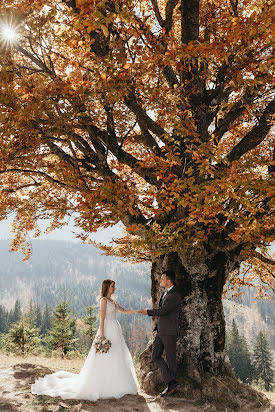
(166, 291)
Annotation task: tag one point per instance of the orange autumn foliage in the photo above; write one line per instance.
(144, 113)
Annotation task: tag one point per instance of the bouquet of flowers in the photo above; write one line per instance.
(102, 345)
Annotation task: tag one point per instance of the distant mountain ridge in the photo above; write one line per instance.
(79, 268)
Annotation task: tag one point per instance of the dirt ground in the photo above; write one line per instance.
(15, 396)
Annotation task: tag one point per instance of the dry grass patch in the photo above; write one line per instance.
(70, 365)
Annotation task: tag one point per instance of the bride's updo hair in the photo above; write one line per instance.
(105, 287)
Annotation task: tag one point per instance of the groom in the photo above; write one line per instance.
(167, 329)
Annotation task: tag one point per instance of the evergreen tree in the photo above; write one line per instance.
(239, 355)
(16, 313)
(34, 315)
(31, 312)
(91, 320)
(2, 341)
(4, 319)
(38, 317)
(62, 334)
(22, 337)
(263, 361)
(46, 321)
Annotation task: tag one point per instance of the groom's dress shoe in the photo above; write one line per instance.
(164, 392)
(170, 389)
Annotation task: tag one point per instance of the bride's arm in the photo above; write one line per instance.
(102, 314)
(126, 311)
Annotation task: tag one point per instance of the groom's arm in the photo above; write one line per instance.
(169, 305)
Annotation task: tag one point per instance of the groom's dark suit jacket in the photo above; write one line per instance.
(168, 313)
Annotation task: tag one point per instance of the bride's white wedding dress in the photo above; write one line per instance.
(107, 375)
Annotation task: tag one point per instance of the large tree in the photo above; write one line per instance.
(156, 114)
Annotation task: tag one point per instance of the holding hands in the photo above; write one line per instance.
(142, 311)
(137, 311)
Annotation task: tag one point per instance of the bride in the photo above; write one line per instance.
(105, 375)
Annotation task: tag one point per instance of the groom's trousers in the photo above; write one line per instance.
(167, 343)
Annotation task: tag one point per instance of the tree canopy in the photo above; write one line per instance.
(156, 114)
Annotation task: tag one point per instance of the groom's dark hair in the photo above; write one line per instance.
(170, 274)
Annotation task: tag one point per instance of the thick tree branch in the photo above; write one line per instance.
(111, 143)
(189, 20)
(99, 140)
(111, 131)
(169, 9)
(213, 100)
(157, 12)
(234, 5)
(147, 174)
(60, 153)
(149, 140)
(39, 62)
(85, 148)
(255, 136)
(129, 220)
(264, 259)
(170, 76)
(234, 113)
(143, 117)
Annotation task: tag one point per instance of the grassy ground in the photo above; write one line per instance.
(70, 365)
(270, 395)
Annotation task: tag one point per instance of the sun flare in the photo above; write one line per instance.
(8, 33)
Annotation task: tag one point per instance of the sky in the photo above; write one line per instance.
(102, 235)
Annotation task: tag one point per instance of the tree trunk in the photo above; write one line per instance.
(201, 355)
